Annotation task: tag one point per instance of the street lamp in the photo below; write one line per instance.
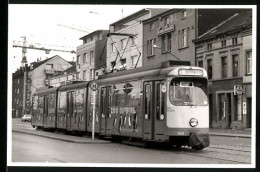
(155, 46)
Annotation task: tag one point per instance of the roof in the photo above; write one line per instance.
(95, 32)
(237, 22)
(37, 64)
(71, 69)
(153, 11)
(164, 13)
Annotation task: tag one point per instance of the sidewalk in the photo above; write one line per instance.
(60, 136)
(230, 132)
(88, 139)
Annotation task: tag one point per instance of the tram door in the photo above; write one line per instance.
(45, 111)
(148, 117)
(105, 110)
(69, 109)
(154, 109)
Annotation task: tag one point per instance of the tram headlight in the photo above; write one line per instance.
(146, 116)
(193, 122)
(161, 117)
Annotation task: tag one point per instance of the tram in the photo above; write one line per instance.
(159, 105)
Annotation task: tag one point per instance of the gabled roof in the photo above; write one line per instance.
(237, 22)
(37, 64)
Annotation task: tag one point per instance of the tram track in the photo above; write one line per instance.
(221, 152)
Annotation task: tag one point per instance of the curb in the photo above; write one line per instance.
(81, 140)
(230, 135)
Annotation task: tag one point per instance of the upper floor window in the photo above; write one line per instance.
(223, 43)
(49, 66)
(234, 41)
(166, 42)
(113, 47)
(133, 60)
(166, 21)
(91, 74)
(249, 62)
(18, 80)
(91, 57)
(183, 38)
(123, 61)
(123, 44)
(85, 74)
(184, 14)
(235, 65)
(85, 58)
(150, 48)
(152, 26)
(224, 67)
(78, 59)
(209, 46)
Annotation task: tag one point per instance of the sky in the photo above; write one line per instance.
(43, 25)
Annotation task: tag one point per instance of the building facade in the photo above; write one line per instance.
(168, 37)
(18, 104)
(225, 51)
(64, 77)
(91, 55)
(125, 41)
(40, 72)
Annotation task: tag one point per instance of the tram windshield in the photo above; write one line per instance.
(188, 92)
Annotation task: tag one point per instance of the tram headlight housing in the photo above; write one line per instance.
(193, 122)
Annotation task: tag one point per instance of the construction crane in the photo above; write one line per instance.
(32, 46)
(47, 50)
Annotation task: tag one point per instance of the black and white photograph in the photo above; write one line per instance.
(153, 86)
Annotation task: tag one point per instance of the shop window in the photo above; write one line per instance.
(238, 107)
(209, 63)
(200, 63)
(222, 106)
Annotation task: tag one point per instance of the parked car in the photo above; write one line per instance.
(26, 118)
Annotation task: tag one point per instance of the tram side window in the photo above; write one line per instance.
(62, 100)
(133, 93)
(148, 100)
(118, 98)
(51, 101)
(40, 102)
(160, 101)
(35, 103)
(79, 98)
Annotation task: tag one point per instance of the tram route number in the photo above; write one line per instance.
(93, 86)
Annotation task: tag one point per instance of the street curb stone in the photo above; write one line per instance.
(59, 137)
